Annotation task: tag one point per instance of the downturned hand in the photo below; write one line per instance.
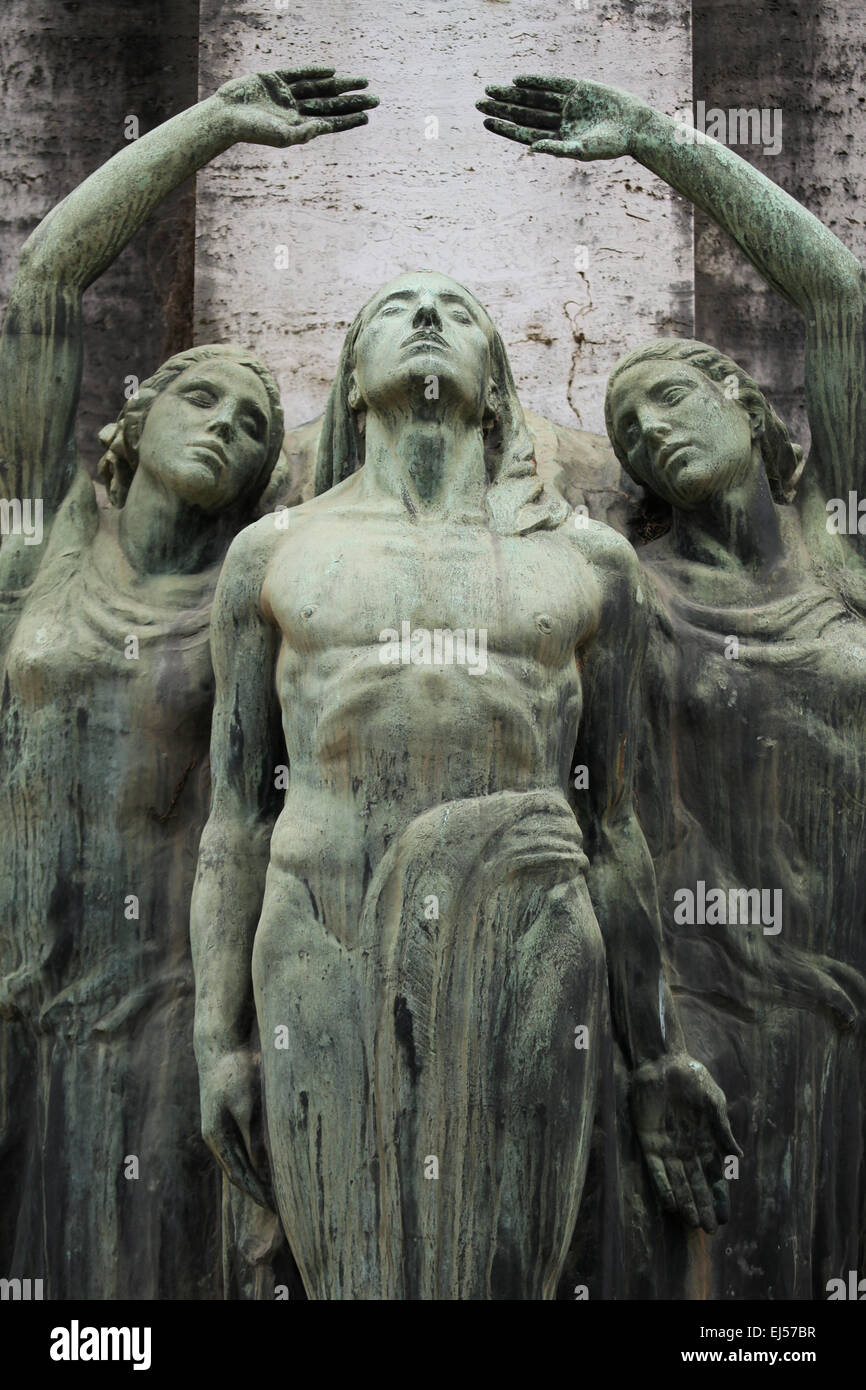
(571, 119)
(681, 1120)
(231, 1117)
(293, 105)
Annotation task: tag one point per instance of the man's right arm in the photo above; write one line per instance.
(246, 745)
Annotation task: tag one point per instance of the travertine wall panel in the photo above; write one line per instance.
(356, 209)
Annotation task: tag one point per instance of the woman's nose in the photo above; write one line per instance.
(222, 420)
(652, 425)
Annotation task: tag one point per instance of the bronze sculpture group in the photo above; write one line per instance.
(419, 941)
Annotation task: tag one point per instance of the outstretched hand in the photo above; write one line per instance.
(571, 119)
(293, 105)
(682, 1122)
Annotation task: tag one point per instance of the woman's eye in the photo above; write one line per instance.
(462, 318)
(675, 394)
(200, 397)
(253, 427)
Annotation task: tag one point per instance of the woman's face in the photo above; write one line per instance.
(683, 437)
(205, 437)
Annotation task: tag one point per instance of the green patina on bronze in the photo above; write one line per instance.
(405, 945)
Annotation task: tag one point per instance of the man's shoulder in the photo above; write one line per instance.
(603, 547)
(615, 567)
(253, 548)
(250, 553)
(253, 542)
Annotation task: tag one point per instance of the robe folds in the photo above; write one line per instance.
(429, 1118)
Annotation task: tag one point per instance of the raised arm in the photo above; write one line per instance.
(794, 252)
(679, 1112)
(246, 747)
(41, 346)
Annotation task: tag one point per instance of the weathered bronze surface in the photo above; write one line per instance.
(751, 762)
(530, 840)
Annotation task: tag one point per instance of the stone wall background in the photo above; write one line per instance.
(810, 61)
(356, 209)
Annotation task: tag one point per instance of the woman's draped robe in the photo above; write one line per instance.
(108, 1189)
(753, 776)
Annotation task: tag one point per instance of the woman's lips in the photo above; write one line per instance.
(215, 455)
(666, 456)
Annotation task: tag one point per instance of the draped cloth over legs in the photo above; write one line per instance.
(442, 1153)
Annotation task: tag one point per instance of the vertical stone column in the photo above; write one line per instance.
(575, 262)
(71, 77)
(809, 62)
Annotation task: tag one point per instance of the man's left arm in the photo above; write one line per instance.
(679, 1112)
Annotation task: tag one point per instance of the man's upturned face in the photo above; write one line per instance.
(424, 338)
(683, 437)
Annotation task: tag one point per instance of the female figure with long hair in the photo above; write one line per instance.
(752, 788)
(106, 698)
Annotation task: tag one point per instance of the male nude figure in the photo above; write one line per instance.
(418, 923)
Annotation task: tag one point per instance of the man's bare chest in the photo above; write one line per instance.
(336, 583)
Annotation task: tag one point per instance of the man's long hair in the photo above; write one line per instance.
(516, 498)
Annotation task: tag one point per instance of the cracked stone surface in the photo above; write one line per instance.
(387, 199)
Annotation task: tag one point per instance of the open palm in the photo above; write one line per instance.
(559, 116)
(293, 105)
(681, 1120)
